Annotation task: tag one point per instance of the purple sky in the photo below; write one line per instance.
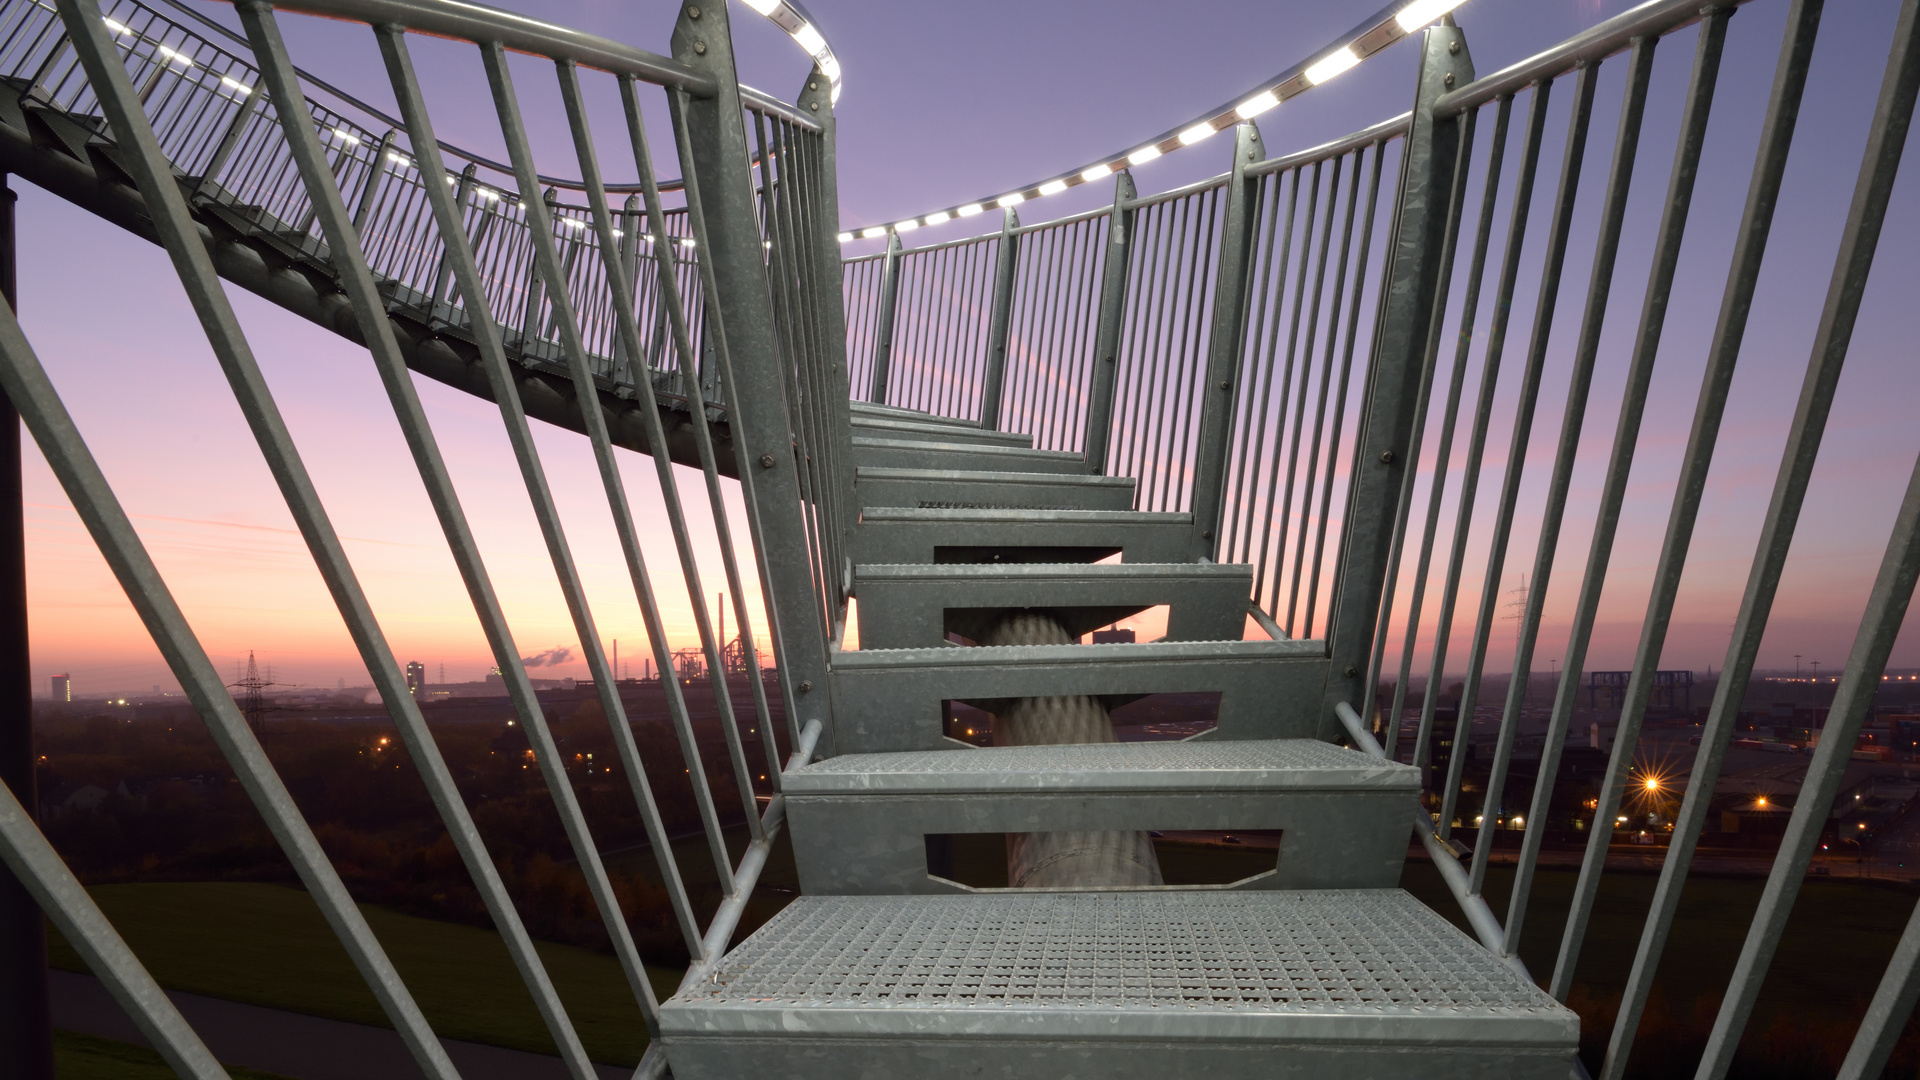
(945, 104)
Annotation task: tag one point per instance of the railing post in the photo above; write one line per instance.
(1000, 321)
(1227, 334)
(375, 172)
(830, 304)
(230, 141)
(883, 333)
(711, 135)
(1106, 333)
(1393, 378)
(26, 1025)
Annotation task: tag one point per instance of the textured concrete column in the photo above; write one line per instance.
(1055, 860)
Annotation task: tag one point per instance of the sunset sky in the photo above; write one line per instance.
(944, 104)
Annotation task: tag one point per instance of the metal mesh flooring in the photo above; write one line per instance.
(1359, 952)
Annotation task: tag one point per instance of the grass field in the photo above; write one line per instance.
(83, 1057)
(268, 945)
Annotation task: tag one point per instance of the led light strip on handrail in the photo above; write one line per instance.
(1388, 25)
(788, 15)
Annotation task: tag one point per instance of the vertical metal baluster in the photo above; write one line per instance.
(1142, 358)
(1247, 436)
(1893, 588)
(1326, 371)
(1483, 410)
(1763, 575)
(1191, 378)
(1580, 381)
(1555, 262)
(500, 377)
(369, 309)
(94, 501)
(1340, 400)
(1281, 477)
(1405, 314)
(1272, 335)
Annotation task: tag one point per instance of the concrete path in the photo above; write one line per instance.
(295, 1045)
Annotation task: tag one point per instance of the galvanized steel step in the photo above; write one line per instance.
(922, 454)
(961, 489)
(916, 606)
(1128, 986)
(888, 534)
(860, 409)
(888, 427)
(892, 699)
(859, 821)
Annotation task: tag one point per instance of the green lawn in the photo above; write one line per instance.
(268, 945)
(83, 1057)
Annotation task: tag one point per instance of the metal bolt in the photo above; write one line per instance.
(1109, 359)
(766, 461)
(1386, 457)
(1351, 672)
(1453, 47)
(693, 11)
(1223, 384)
(1449, 79)
(701, 48)
(814, 84)
(806, 686)
(814, 105)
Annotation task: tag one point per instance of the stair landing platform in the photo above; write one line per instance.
(1137, 985)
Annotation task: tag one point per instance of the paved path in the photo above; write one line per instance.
(295, 1045)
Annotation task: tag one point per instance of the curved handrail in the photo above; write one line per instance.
(1374, 33)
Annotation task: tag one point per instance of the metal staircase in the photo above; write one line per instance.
(1157, 428)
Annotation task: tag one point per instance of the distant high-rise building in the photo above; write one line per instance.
(63, 688)
(416, 677)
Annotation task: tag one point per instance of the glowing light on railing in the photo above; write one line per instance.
(117, 27)
(343, 135)
(764, 7)
(1422, 12)
(970, 209)
(1096, 173)
(1014, 199)
(1053, 187)
(398, 160)
(939, 219)
(484, 193)
(573, 223)
(686, 241)
(1256, 105)
(232, 83)
(846, 238)
(176, 58)
(1197, 132)
(874, 233)
(1143, 155)
(1340, 61)
(809, 39)
(906, 226)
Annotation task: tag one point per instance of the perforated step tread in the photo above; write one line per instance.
(1254, 764)
(1340, 967)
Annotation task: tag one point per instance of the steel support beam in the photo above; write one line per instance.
(1106, 333)
(883, 332)
(26, 1022)
(1000, 322)
(1393, 378)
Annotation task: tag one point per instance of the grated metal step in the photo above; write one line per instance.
(915, 606)
(958, 489)
(921, 535)
(859, 821)
(888, 427)
(922, 454)
(892, 699)
(1132, 986)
